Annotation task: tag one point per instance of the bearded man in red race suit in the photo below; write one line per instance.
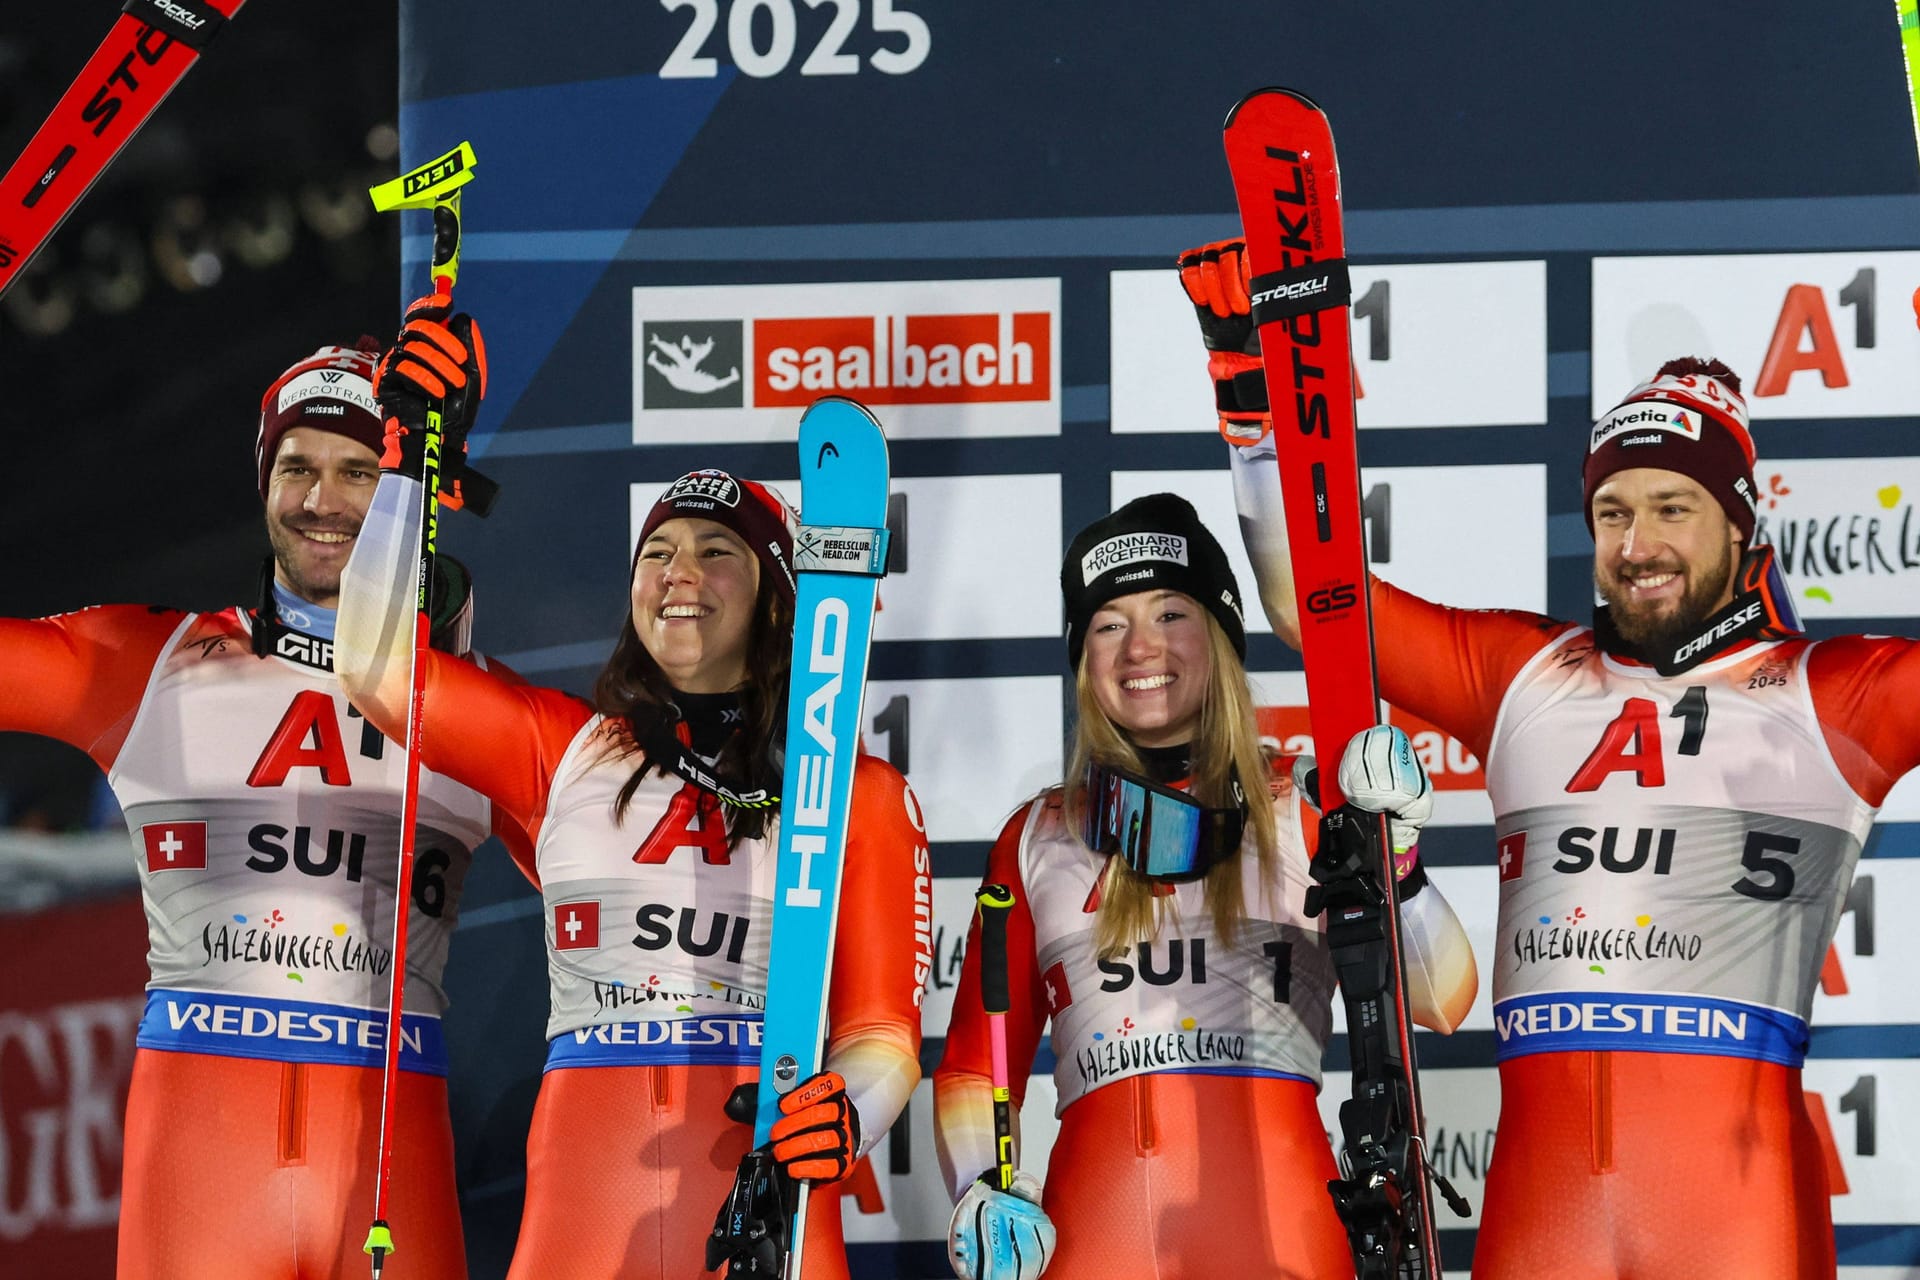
(265, 825)
(1680, 791)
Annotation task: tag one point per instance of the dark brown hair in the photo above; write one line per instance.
(632, 690)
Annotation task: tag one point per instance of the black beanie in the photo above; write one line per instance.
(1151, 544)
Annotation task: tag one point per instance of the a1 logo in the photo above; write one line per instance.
(1803, 335)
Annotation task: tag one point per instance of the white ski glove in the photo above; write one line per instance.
(1380, 773)
(995, 1235)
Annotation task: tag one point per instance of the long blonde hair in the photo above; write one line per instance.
(1226, 744)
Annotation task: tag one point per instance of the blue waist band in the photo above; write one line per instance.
(241, 1026)
(1561, 1021)
(709, 1041)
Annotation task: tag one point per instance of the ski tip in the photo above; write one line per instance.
(838, 427)
(830, 405)
(1269, 91)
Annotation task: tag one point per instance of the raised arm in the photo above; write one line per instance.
(374, 632)
(1263, 528)
(482, 728)
(78, 677)
(1866, 692)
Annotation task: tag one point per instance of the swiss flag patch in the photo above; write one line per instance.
(1513, 855)
(576, 925)
(175, 846)
(1054, 982)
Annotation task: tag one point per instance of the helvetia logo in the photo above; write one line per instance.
(1648, 415)
(904, 359)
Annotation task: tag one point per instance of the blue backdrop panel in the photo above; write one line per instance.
(633, 152)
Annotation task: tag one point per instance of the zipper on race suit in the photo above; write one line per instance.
(293, 1113)
(1600, 1109)
(1146, 1132)
(660, 1088)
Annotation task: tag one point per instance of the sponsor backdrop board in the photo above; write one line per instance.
(692, 216)
(1455, 344)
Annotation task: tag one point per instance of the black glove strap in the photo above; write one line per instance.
(477, 492)
(1244, 392)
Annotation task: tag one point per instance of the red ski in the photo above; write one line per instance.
(152, 45)
(1287, 182)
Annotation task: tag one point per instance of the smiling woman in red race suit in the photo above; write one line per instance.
(657, 885)
(1189, 1009)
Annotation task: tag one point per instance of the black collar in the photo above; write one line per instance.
(657, 730)
(1166, 764)
(1760, 609)
(273, 638)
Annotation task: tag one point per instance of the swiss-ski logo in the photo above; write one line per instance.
(1644, 416)
(807, 811)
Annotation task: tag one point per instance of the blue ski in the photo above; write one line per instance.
(839, 556)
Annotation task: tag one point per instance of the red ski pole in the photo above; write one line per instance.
(994, 902)
(436, 186)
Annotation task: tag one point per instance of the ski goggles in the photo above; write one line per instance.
(1161, 832)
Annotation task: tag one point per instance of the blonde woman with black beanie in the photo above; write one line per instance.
(1160, 924)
